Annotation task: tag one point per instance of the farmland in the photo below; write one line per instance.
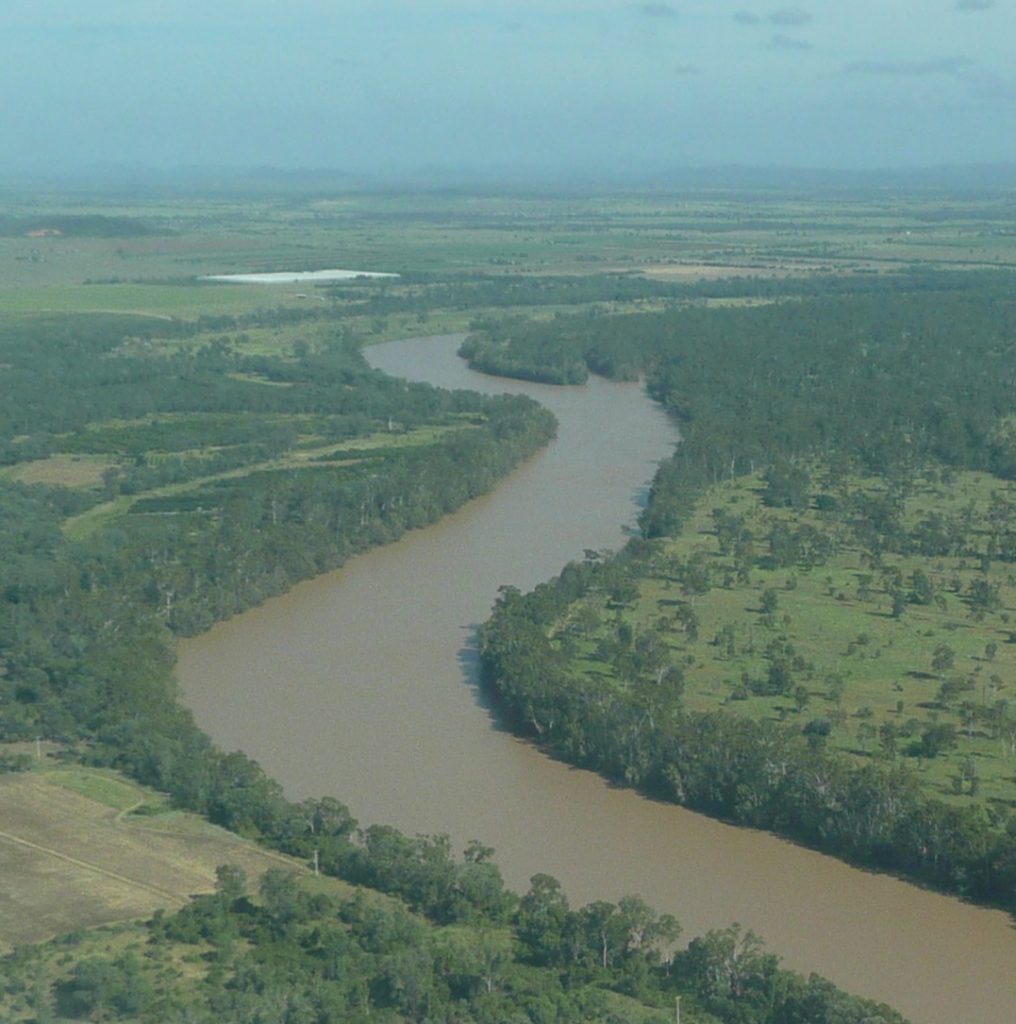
(89, 847)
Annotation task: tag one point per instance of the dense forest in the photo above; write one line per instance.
(814, 397)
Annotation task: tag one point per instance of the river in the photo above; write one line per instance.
(362, 684)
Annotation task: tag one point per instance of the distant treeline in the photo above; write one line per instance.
(883, 383)
(85, 225)
(418, 292)
(575, 345)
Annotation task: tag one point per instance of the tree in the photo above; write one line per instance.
(922, 590)
(726, 965)
(230, 882)
(943, 658)
(936, 738)
(542, 919)
(647, 932)
(787, 485)
(479, 956)
(983, 597)
(603, 931)
(280, 897)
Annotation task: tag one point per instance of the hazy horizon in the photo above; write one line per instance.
(554, 89)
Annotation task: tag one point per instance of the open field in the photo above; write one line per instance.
(911, 658)
(60, 471)
(73, 855)
(737, 232)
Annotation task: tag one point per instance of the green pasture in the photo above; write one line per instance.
(102, 785)
(167, 301)
(870, 674)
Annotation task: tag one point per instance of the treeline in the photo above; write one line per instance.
(888, 379)
(416, 292)
(455, 947)
(885, 384)
(77, 225)
(894, 320)
(756, 773)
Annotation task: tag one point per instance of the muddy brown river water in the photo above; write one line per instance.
(361, 684)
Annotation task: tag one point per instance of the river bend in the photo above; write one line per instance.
(362, 684)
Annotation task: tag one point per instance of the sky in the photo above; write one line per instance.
(558, 86)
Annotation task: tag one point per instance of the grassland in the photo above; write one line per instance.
(871, 656)
(88, 847)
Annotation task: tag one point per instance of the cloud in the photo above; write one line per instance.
(790, 16)
(746, 18)
(686, 69)
(656, 10)
(974, 5)
(989, 86)
(785, 42)
(910, 68)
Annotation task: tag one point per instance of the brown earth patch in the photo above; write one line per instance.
(62, 471)
(68, 861)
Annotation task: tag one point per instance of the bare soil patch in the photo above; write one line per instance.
(62, 470)
(69, 861)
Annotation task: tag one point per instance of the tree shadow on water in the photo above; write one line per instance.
(468, 658)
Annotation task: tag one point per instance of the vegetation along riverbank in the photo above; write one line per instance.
(813, 634)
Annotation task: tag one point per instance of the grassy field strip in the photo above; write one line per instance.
(59, 471)
(84, 525)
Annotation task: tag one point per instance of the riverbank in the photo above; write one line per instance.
(442, 764)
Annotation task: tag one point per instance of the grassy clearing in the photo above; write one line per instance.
(869, 679)
(101, 785)
(157, 301)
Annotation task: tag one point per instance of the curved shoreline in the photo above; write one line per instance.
(386, 634)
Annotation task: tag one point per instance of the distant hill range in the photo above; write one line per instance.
(233, 180)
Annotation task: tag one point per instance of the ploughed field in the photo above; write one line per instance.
(81, 847)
